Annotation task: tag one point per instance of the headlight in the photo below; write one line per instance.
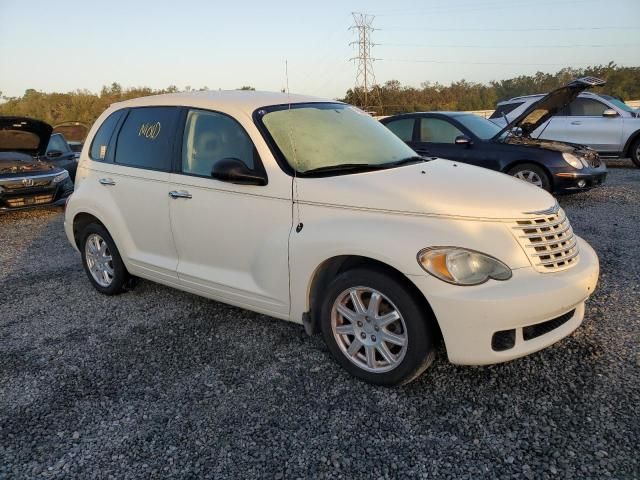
(572, 160)
(461, 266)
(61, 177)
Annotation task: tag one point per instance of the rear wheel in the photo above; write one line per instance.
(375, 329)
(532, 173)
(101, 260)
(635, 152)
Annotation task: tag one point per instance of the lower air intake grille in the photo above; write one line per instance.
(32, 200)
(539, 329)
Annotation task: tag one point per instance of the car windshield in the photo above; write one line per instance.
(481, 127)
(619, 103)
(333, 136)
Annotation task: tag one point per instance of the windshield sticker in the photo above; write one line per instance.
(103, 151)
(149, 130)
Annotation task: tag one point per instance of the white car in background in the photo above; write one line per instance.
(602, 122)
(311, 211)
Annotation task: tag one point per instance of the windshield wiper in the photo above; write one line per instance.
(345, 167)
(363, 167)
(405, 161)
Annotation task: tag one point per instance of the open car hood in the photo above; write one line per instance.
(15, 163)
(545, 108)
(24, 135)
(74, 132)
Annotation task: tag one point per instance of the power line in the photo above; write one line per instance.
(518, 29)
(519, 46)
(475, 6)
(453, 62)
(363, 24)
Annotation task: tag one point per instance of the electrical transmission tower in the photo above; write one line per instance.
(365, 78)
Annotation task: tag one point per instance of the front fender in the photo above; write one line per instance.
(391, 238)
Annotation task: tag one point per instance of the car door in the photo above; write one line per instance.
(232, 240)
(132, 170)
(583, 123)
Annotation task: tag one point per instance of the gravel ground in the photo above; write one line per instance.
(160, 383)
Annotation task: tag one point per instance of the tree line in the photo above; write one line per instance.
(389, 98)
(392, 97)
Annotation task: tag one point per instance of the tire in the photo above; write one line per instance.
(532, 173)
(403, 363)
(112, 284)
(634, 153)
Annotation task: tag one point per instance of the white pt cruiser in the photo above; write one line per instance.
(311, 211)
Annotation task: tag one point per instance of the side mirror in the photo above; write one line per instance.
(232, 170)
(463, 140)
(54, 154)
(609, 113)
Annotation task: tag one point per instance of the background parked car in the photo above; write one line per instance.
(74, 133)
(468, 138)
(26, 181)
(60, 154)
(604, 123)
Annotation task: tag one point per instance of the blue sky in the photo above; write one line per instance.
(65, 45)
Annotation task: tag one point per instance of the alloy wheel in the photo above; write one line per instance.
(529, 176)
(369, 329)
(99, 260)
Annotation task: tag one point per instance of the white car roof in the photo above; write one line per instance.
(243, 100)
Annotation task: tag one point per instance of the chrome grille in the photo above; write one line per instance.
(26, 185)
(549, 241)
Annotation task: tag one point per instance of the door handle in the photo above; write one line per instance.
(107, 181)
(180, 194)
(576, 123)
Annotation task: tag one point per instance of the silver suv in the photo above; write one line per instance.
(601, 122)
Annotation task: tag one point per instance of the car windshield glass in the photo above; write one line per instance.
(319, 136)
(480, 127)
(618, 103)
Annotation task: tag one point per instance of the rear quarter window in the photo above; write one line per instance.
(146, 138)
(103, 136)
(505, 109)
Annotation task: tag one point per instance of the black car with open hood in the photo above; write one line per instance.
(25, 180)
(557, 167)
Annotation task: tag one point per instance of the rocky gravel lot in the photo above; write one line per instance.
(159, 383)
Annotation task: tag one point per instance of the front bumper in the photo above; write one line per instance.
(470, 316)
(28, 198)
(579, 180)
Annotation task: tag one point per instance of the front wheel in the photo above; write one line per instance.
(532, 173)
(375, 328)
(635, 153)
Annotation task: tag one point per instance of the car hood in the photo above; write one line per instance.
(438, 187)
(20, 163)
(539, 112)
(553, 145)
(25, 135)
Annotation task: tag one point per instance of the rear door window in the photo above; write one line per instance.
(146, 138)
(586, 107)
(101, 140)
